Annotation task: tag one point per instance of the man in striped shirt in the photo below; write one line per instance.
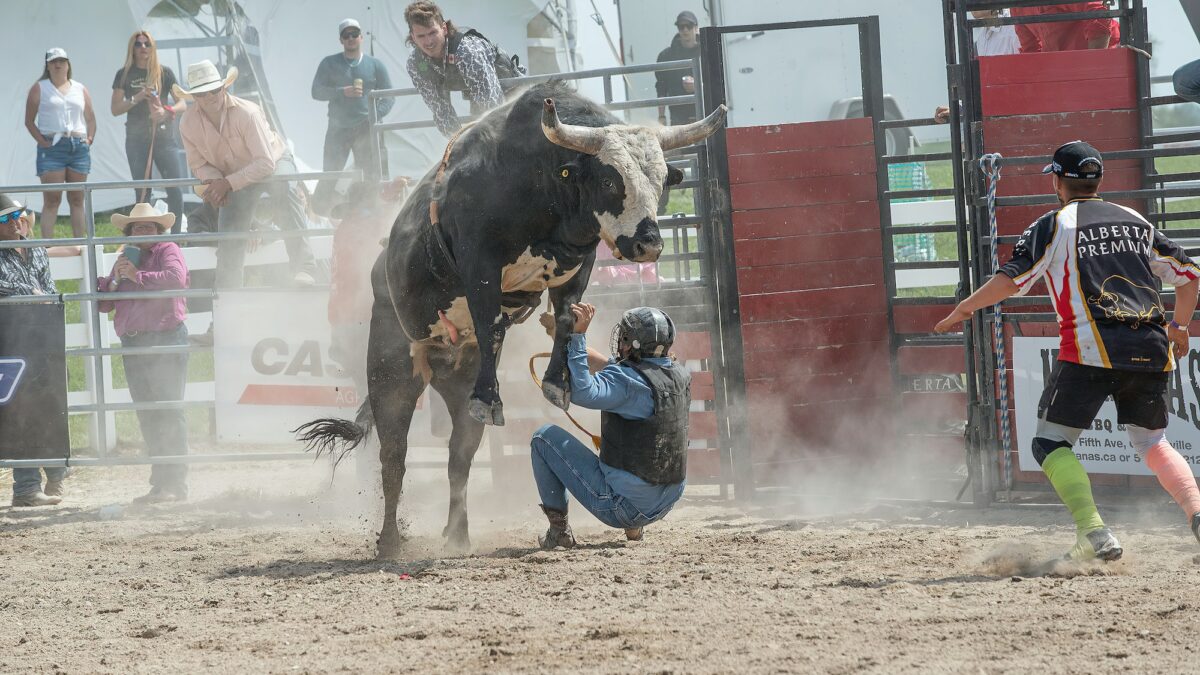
(1103, 265)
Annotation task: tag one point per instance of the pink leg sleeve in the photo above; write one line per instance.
(1174, 475)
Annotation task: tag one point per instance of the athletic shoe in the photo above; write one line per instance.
(38, 498)
(1096, 544)
(304, 279)
(1196, 525)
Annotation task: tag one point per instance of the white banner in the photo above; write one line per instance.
(1105, 447)
(273, 368)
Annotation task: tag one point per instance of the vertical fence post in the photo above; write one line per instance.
(90, 317)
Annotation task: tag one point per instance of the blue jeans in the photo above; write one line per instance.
(339, 143)
(68, 153)
(563, 463)
(160, 377)
(166, 158)
(1187, 81)
(237, 215)
(28, 481)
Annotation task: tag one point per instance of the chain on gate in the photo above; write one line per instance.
(989, 164)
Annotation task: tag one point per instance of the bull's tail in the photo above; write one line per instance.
(337, 437)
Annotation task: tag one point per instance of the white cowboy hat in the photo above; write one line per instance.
(202, 77)
(144, 213)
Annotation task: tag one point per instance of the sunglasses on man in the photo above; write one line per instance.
(351, 34)
(13, 216)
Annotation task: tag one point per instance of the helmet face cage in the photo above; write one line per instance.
(648, 332)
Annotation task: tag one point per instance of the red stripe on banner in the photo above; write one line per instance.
(312, 395)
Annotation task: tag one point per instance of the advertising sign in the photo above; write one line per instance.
(1105, 447)
(273, 366)
(33, 382)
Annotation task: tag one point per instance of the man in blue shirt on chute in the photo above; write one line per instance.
(644, 395)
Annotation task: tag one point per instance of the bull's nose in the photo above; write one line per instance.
(647, 251)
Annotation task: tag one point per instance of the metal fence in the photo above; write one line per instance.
(88, 297)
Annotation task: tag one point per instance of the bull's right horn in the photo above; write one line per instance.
(684, 135)
(571, 136)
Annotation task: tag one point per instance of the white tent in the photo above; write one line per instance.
(294, 35)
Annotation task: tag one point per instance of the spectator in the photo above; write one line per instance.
(446, 58)
(59, 116)
(26, 271)
(679, 82)
(1061, 36)
(233, 150)
(153, 322)
(344, 80)
(995, 40)
(140, 90)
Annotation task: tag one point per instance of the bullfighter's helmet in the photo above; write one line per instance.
(648, 332)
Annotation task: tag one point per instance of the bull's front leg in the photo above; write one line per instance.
(556, 383)
(490, 326)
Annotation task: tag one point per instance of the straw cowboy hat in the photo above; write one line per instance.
(144, 213)
(202, 77)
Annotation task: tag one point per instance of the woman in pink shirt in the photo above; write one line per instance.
(153, 322)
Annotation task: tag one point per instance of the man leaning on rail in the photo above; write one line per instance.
(233, 149)
(1102, 264)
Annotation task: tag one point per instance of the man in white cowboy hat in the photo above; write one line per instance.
(153, 322)
(232, 148)
(26, 271)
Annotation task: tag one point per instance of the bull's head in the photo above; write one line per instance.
(628, 177)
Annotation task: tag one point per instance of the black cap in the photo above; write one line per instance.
(686, 17)
(1076, 159)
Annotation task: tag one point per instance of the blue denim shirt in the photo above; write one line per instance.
(619, 389)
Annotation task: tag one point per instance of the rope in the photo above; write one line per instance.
(533, 374)
(989, 164)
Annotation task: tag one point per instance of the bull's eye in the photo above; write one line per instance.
(606, 183)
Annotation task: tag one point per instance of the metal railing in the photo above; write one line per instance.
(89, 296)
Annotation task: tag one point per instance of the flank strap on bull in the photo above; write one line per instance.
(538, 382)
(989, 164)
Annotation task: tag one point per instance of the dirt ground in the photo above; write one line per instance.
(270, 568)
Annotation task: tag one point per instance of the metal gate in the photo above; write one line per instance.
(1012, 105)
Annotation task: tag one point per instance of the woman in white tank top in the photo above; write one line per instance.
(59, 116)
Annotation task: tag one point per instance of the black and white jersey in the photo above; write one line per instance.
(1104, 265)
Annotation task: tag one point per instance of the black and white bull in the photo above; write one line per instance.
(520, 202)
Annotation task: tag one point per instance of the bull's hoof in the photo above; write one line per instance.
(389, 545)
(457, 542)
(488, 413)
(560, 397)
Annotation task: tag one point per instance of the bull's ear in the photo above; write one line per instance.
(674, 176)
(569, 172)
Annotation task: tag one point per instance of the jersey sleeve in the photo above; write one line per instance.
(1031, 255)
(1170, 263)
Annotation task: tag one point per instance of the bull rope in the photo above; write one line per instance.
(533, 374)
(989, 164)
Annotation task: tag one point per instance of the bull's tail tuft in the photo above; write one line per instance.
(335, 437)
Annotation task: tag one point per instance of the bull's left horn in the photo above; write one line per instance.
(571, 136)
(684, 135)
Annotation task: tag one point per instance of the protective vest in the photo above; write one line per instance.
(653, 449)
(506, 66)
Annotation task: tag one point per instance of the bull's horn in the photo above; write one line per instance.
(683, 135)
(572, 136)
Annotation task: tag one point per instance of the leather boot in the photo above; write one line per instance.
(559, 533)
(633, 533)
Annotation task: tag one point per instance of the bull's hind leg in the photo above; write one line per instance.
(394, 391)
(455, 385)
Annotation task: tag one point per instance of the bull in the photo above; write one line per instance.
(517, 207)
